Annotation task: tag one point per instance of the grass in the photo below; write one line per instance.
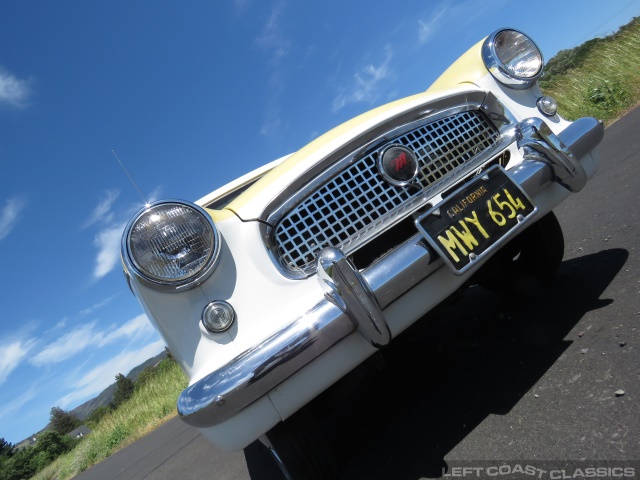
(151, 405)
(606, 84)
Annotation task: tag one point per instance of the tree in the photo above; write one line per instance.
(95, 417)
(30, 460)
(5, 452)
(18, 466)
(50, 445)
(62, 421)
(5, 448)
(124, 390)
(169, 354)
(145, 376)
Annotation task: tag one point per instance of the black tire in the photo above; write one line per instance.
(300, 448)
(534, 255)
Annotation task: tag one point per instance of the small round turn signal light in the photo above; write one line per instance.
(218, 316)
(547, 105)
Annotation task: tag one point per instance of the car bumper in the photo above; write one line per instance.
(355, 301)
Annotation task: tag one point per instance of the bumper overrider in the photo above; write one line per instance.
(354, 300)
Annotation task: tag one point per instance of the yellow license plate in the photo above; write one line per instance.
(476, 219)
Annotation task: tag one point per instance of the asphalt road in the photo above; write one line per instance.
(517, 379)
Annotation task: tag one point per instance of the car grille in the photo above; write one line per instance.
(355, 204)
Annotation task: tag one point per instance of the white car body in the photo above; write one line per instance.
(267, 303)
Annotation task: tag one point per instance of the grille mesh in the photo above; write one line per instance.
(358, 200)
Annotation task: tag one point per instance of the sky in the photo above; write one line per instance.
(190, 95)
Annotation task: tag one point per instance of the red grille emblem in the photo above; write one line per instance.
(397, 164)
(400, 161)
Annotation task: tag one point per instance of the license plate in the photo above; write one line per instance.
(476, 219)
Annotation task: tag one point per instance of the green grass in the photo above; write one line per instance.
(607, 81)
(150, 406)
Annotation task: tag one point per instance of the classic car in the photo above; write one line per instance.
(271, 289)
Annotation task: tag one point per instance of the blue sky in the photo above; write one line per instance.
(190, 95)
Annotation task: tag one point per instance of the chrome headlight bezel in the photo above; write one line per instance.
(136, 270)
(504, 73)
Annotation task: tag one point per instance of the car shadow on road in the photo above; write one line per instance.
(475, 357)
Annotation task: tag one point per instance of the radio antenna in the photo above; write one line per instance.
(130, 179)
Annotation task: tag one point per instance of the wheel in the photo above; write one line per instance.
(534, 255)
(300, 449)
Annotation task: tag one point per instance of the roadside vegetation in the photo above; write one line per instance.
(600, 78)
(22, 463)
(150, 401)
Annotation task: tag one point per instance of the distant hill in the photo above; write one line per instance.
(105, 397)
(566, 60)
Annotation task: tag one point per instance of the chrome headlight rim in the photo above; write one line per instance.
(133, 270)
(500, 71)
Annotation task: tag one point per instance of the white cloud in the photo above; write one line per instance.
(272, 123)
(11, 355)
(16, 404)
(9, 215)
(90, 335)
(366, 85)
(99, 378)
(97, 306)
(241, 5)
(272, 38)
(456, 16)
(107, 240)
(66, 346)
(13, 91)
(154, 195)
(134, 328)
(426, 28)
(108, 256)
(274, 41)
(57, 327)
(61, 324)
(102, 213)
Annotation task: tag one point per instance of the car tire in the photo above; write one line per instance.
(534, 255)
(300, 449)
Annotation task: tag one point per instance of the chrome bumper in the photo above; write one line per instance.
(361, 296)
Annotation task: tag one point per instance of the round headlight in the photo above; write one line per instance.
(171, 244)
(512, 58)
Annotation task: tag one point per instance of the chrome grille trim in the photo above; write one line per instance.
(353, 203)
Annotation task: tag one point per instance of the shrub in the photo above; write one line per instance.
(63, 421)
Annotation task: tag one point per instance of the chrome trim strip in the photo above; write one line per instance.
(252, 374)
